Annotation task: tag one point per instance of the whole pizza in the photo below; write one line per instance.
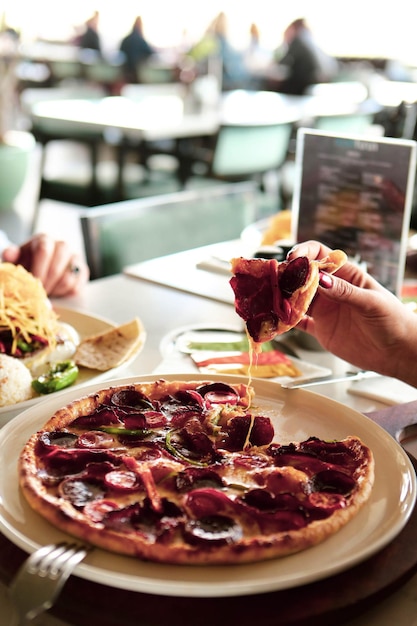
(189, 472)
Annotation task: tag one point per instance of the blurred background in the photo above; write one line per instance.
(355, 28)
(209, 76)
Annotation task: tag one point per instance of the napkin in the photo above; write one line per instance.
(384, 389)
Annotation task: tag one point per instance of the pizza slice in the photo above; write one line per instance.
(272, 297)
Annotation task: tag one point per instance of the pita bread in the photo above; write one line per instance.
(110, 348)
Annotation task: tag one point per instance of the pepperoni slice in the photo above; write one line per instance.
(215, 529)
(207, 502)
(95, 439)
(98, 509)
(123, 480)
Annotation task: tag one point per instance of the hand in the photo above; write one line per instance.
(360, 321)
(61, 271)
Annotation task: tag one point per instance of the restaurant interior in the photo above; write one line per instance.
(158, 171)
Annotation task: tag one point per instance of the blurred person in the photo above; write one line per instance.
(215, 44)
(136, 50)
(357, 319)
(90, 38)
(257, 58)
(304, 62)
(62, 271)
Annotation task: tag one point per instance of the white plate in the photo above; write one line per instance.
(175, 345)
(85, 325)
(297, 414)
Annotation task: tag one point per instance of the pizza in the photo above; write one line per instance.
(189, 473)
(272, 297)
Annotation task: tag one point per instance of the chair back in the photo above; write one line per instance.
(123, 233)
(245, 150)
(152, 71)
(358, 123)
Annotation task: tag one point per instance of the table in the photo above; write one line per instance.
(121, 297)
(154, 118)
(159, 116)
(124, 124)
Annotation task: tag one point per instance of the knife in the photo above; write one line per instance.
(326, 381)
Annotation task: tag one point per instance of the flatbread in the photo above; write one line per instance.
(110, 348)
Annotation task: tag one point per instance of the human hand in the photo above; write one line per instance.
(360, 321)
(61, 271)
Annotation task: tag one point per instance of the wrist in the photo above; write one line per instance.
(406, 357)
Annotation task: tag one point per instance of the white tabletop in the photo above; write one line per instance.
(156, 118)
(162, 310)
(161, 116)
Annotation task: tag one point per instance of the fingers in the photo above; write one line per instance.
(349, 271)
(73, 277)
(311, 249)
(49, 260)
(365, 296)
(60, 270)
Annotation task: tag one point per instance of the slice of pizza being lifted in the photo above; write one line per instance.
(272, 297)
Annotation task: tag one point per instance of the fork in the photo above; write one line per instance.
(41, 578)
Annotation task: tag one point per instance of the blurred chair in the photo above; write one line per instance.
(241, 152)
(123, 233)
(65, 70)
(356, 123)
(350, 98)
(107, 72)
(155, 71)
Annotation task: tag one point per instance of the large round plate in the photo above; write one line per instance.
(86, 325)
(297, 414)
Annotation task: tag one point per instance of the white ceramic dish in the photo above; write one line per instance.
(177, 344)
(297, 414)
(85, 325)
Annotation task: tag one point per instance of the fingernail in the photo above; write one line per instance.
(293, 249)
(325, 280)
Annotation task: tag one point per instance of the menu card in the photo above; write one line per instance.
(355, 193)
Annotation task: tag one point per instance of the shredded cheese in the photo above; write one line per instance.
(25, 310)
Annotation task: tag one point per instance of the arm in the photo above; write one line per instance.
(61, 271)
(360, 321)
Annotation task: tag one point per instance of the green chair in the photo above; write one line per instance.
(242, 152)
(123, 233)
(357, 123)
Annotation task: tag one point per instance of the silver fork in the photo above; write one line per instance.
(41, 578)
